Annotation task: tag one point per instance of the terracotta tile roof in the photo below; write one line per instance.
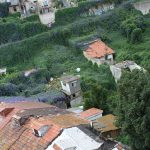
(98, 49)
(20, 107)
(68, 120)
(90, 112)
(24, 105)
(53, 131)
(14, 137)
(105, 123)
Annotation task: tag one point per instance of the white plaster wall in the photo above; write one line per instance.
(110, 57)
(116, 72)
(47, 18)
(65, 88)
(74, 137)
(144, 7)
(41, 2)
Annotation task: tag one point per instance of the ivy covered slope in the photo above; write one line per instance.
(13, 28)
(57, 50)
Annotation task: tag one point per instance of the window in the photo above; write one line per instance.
(45, 3)
(74, 84)
(36, 132)
(15, 9)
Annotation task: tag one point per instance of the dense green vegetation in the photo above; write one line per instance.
(59, 50)
(13, 28)
(133, 108)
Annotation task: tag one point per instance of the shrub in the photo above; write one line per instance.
(13, 32)
(136, 35)
(134, 23)
(8, 89)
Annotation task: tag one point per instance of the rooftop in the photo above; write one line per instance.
(22, 107)
(69, 78)
(98, 49)
(76, 138)
(90, 112)
(76, 110)
(125, 64)
(68, 120)
(105, 123)
(17, 135)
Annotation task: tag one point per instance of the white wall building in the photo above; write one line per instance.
(3, 71)
(74, 139)
(71, 86)
(116, 69)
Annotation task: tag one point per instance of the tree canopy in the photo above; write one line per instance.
(133, 108)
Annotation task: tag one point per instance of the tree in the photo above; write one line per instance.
(95, 96)
(133, 27)
(136, 35)
(133, 108)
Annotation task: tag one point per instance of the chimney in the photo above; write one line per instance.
(18, 121)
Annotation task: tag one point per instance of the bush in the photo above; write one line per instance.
(10, 32)
(32, 18)
(136, 35)
(134, 23)
(8, 89)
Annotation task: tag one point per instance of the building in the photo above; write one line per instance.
(76, 110)
(3, 71)
(71, 86)
(125, 65)
(33, 125)
(75, 139)
(44, 8)
(143, 6)
(14, 6)
(91, 114)
(98, 52)
(105, 127)
(101, 8)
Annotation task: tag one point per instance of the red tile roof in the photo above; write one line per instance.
(20, 106)
(22, 137)
(53, 131)
(90, 112)
(24, 105)
(98, 49)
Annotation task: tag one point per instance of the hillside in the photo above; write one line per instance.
(26, 44)
(57, 50)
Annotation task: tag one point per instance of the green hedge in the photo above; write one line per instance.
(10, 32)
